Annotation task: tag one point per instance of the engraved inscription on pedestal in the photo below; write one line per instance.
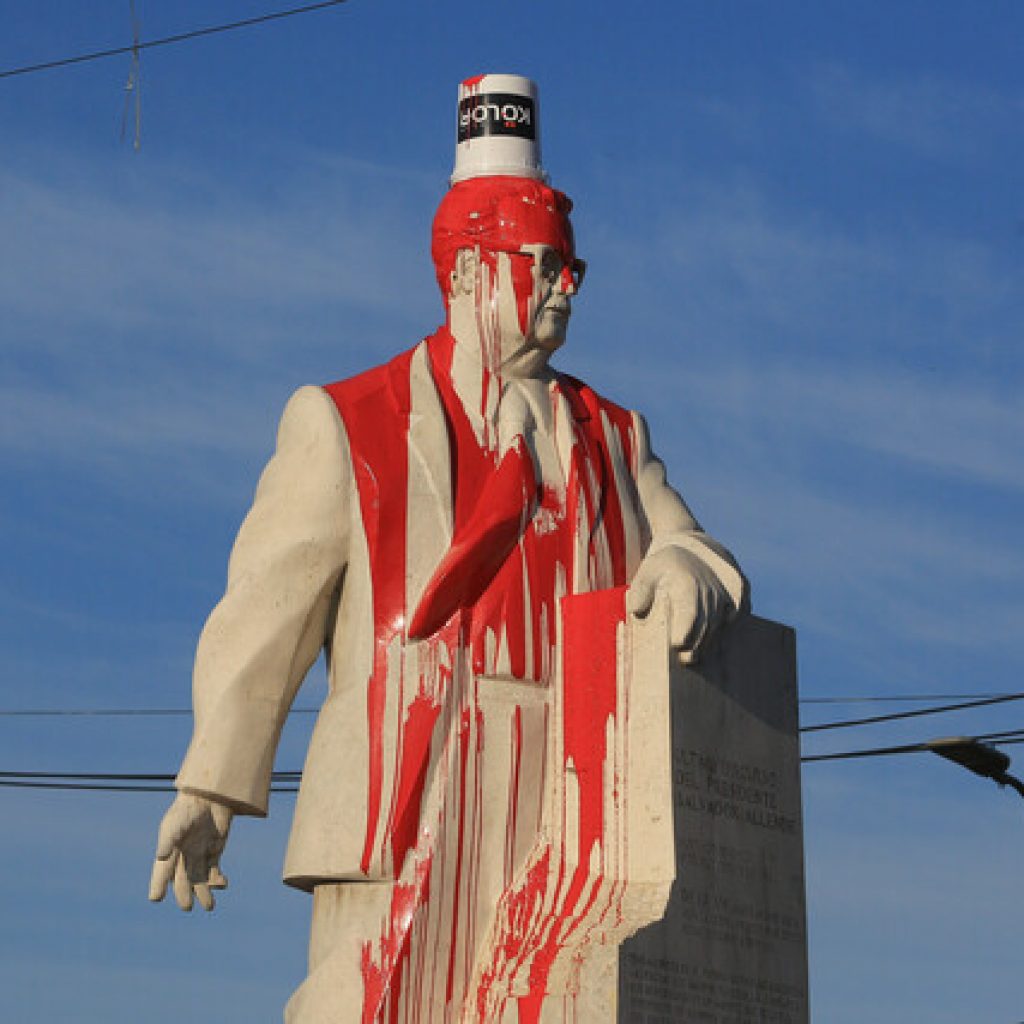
(732, 946)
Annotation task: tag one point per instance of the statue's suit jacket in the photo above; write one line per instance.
(303, 575)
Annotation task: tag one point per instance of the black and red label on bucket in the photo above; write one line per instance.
(497, 113)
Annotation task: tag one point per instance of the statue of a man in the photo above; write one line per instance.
(422, 523)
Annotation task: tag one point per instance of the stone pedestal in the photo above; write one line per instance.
(731, 948)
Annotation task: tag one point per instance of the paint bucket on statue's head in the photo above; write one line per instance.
(498, 131)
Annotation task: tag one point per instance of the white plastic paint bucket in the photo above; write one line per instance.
(497, 128)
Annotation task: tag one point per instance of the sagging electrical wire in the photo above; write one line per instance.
(179, 37)
(286, 781)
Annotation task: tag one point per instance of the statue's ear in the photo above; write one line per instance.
(464, 273)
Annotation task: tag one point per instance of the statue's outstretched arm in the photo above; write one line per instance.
(259, 642)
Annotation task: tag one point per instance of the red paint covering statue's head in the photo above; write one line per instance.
(499, 214)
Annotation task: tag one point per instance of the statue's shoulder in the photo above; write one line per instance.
(583, 397)
(375, 392)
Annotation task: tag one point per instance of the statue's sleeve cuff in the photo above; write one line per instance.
(715, 557)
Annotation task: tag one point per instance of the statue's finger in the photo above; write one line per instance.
(182, 886)
(685, 614)
(693, 629)
(640, 595)
(172, 828)
(160, 878)
(204, 896)
(165, 844)
(689, 653)
(217, 879)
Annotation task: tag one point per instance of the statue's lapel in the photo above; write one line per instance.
(586, 473)
(430, 515)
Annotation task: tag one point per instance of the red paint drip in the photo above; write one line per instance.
(415, 752)
(380, 456)
(375, 410)
(589, 657)
(481, 544)
(520, 909)
(589, 628)
(500, 214)
(464, 724)
(606, 504)
(523, 286)
(513, 808)
(501, 605)
(373, 984)
(382, 969)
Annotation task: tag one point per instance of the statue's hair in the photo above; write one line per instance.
(499, 214)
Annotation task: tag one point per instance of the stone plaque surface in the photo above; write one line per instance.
(731, 948)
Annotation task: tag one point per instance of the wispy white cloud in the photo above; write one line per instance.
(204, 437)
(115, 417)
(746, 270)
(870, 576)
(154, 325)
(931, 115)
(820, 392)
(773, 346)
(175, 252)
(902, 340)
(963, 431)
(783, 364)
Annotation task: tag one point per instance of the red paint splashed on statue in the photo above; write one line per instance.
(358, 402)
(414, 746)
(499, 214)
(496, 504)
(589, 630)
(520, 908)
(589, 658)
(382, 968)
(464, 728)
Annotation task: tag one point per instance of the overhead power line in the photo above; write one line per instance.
(287, 781)
(125, 782)
(110, 786)
(901, 698)
(91, 787)
(1000, 738)
(111, 712)
(917, 713)
(179, 37)
(120, 776)
(820, 727)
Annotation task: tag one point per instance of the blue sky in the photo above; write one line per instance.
(805, 231)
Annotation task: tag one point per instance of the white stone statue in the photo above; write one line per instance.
(457, 528)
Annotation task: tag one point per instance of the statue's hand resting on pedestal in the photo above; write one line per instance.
(191, 839)
(698, 602)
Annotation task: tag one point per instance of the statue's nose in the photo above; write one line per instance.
(567, 281)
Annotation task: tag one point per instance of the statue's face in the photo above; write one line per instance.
(514, 303)
(552, 284)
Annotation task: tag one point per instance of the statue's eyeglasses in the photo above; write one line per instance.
(573, 272)
(552, 268)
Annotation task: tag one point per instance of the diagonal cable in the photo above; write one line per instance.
(179, 37)
(916, 713)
